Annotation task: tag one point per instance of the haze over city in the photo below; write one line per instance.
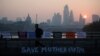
(46, 8)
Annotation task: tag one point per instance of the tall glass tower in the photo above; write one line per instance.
(66, 16)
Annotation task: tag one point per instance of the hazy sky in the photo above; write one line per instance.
(46, 8)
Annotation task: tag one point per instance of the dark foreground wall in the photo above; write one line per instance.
(23, 47)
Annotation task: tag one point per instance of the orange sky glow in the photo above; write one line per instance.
(46, 8)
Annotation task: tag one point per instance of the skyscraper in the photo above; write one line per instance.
(81, 21)
(66, 15)
(71, 17)
(56, 20)
(95, 18)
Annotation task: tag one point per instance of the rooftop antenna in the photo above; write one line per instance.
(36, 19)
(36, 24)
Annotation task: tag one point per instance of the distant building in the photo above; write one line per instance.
(71, 18)
(81, 21)
(66, 20)
(48, 22)
(4, 20)
(68, 23)
(95, 18)
(56, 20)
(28, 19)
(28, 23)
(43, 25)
(19, 19)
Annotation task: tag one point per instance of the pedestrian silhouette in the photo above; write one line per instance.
(39, 33)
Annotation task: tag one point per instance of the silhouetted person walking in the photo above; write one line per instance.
(39, 33)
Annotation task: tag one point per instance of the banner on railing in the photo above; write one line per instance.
(70, 35)
(80, 35)
(31, 35)
(46, 35)
(57, 34)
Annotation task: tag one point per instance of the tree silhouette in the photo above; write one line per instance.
(92, 27)
(93, 30)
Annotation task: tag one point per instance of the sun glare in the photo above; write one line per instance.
(84, 16)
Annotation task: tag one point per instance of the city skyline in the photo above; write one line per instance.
(57, 19)
(46, 8)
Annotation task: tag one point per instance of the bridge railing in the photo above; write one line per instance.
(89, 45)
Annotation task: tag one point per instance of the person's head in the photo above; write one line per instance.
(36, 26)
